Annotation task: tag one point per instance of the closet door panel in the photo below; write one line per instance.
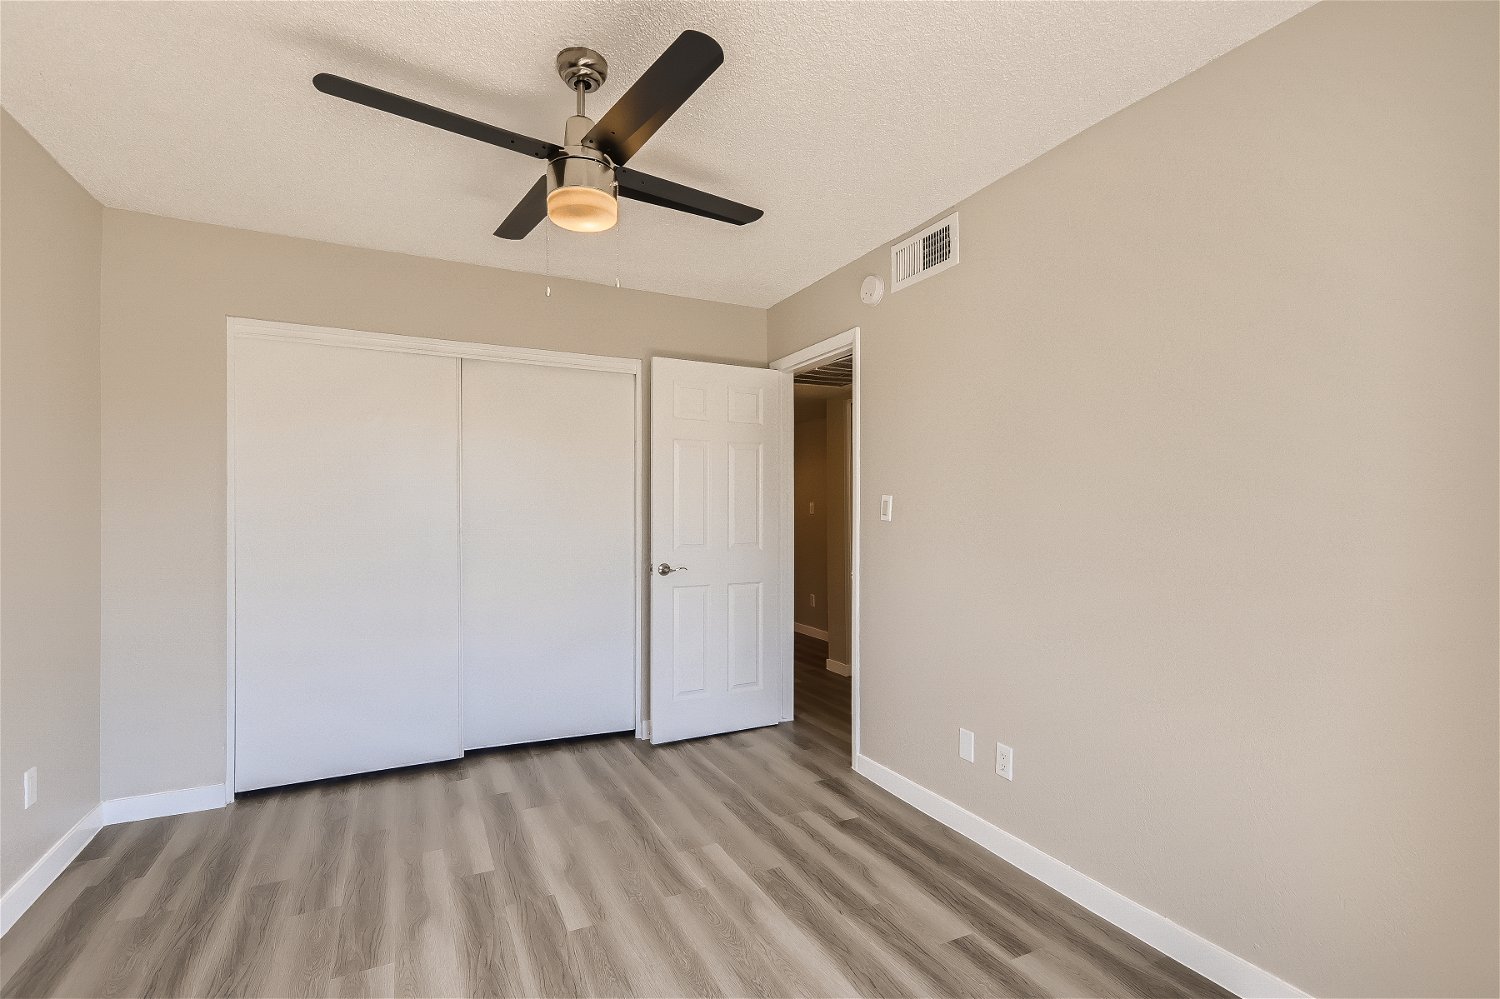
(346, 537)
(548, 552)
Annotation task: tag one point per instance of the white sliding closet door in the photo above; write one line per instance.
(345, 471)
(548, 549)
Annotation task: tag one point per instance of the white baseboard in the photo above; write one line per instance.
(29, 886)
(834, 666)
(810, 631)
(1182, 945)
(153, 806)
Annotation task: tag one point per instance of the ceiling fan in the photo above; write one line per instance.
(586, 175)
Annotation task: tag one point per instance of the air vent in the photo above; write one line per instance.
(923, 255)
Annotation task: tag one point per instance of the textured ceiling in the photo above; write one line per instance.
(848, 123)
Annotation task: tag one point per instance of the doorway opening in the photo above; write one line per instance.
(825, 528)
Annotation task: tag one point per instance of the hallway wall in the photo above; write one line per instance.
(811, 525)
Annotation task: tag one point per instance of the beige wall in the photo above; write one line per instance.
(168, 287)
(1194, 458)
(49, 491)
(811, 549)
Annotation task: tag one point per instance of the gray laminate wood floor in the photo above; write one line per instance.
(754, 864)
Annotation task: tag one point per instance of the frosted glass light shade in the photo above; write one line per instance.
(583, 209)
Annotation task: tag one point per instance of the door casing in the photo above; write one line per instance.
(847, 342)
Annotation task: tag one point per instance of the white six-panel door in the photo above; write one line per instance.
(345, 471)
(720, 625)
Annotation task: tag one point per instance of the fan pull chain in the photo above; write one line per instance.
(548, 258)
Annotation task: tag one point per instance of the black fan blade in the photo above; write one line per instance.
(660, 91)
(639, 186)
(384, 100)
(528, 212)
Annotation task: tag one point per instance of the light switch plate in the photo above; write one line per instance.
(966, 745)
(28, 788)
(886, 503)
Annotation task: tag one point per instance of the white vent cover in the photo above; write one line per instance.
(932, 250)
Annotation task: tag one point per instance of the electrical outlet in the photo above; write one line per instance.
(1005, 761)
(966, 745)
(28, 788)
(812, 600)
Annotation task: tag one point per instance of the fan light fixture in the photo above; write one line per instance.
(583, 209)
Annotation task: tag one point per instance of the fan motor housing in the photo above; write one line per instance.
(580, 165)
(581, 171)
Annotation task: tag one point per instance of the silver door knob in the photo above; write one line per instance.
(666, 569)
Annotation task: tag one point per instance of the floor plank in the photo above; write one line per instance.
(750, 864)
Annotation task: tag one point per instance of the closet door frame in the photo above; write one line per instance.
(239, 329)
